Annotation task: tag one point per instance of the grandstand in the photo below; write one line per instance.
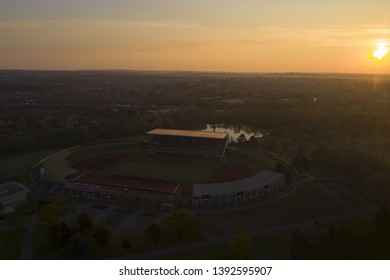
(122, 189)
(236, 192)
(199, 143)
(12, 193)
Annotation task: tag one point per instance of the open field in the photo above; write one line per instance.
(311, 201)
(93, 150)
(191, 170)
(20, 164)
(129, 159)
(254, 158)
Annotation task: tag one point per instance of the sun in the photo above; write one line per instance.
(381, 51)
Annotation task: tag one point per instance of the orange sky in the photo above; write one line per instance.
(245, 36)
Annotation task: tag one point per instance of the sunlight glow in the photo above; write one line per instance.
(381, 51)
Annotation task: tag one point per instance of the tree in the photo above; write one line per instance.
(84, 222)
(184, 225)
(241, 247)
(191, 228)
(241, 138)
(103, 235)
(58, 233)
(126, 244)
(1, 208)
(77, 246)
(48, 212)
(154, 232)
(281, 169)
(301, 163)
(253, 142)
(299, 246)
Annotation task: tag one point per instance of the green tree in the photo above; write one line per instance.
(299, 248)
(252, 142)
(126, 244)
(184, 225)
(241, 247)
(77, 246)
(103, 235)
(241, 138)
(301, 163)
(58, 233)
(191, 228)
(281, 169)
(48, 212)
(154, 232)
(84, 222)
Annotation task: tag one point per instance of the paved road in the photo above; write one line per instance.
(28, 240)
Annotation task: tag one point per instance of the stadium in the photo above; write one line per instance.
(167, 169)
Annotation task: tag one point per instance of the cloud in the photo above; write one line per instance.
(26, 24)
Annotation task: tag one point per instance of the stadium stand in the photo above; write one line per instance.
(122, 189)
(236, 192)
(209, 144)
(13, 193)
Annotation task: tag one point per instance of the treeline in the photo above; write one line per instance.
(364, 237)
(84, 238)
(53, 138)
(350, 162)
(365, 169)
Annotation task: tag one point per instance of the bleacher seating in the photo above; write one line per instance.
(187, 145)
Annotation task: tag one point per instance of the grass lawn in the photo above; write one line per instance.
(178, 169)
(169, 168)
(10, 243)
(94, 150)
(20, 164)
(254, 158)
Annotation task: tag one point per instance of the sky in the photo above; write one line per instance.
(201, 35)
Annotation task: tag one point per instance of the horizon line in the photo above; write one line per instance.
(191, 71)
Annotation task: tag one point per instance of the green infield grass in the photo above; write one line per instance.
(161, 167)
(94, 150)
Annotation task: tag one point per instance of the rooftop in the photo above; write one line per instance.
(12, 188)
(188, 133)
(263, 178)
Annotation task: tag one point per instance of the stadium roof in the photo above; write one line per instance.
(263, 178)
(55, 164)
(188, 133)
(12, 188)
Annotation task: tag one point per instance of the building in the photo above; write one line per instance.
(236, 192)
(120, 189)
(199, 143)
(13, 193)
